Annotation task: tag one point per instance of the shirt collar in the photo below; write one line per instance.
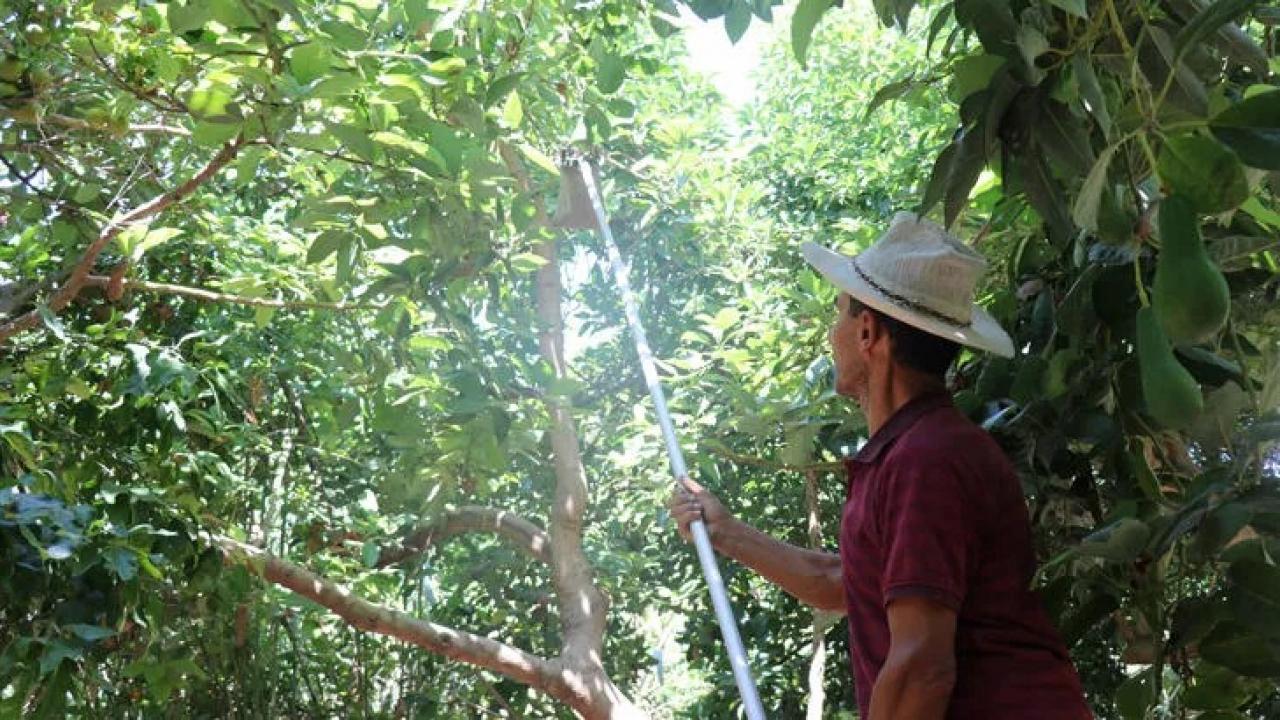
(900, 422)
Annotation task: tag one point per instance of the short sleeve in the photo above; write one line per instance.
(928, 532)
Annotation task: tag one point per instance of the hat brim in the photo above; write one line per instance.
(982, 332)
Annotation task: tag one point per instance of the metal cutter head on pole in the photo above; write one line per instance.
(573, 207)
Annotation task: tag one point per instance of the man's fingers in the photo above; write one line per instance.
(687, 483)
(687, 511)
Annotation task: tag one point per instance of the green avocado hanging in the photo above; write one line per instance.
(1172, 395)
(1190, 295)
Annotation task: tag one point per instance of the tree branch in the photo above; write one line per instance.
(75, 123)
(520, 533)
(582, 605)
(204, 295)
(521, 666)
(80, 272)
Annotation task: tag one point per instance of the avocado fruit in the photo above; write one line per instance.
(1173, 398)
(1190, 296)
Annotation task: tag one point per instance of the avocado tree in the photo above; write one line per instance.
(279, 289)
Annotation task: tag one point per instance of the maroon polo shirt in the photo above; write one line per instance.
(933, 509)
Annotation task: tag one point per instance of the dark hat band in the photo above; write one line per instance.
(907, 303)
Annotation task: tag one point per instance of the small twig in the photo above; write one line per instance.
(332, 154)
(30, 148)
(127, 184)
(214, 296)
(75, 123)
(26, 179)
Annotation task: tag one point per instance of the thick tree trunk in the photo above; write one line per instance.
(582, 606)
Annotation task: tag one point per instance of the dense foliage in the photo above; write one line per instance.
(275, 273)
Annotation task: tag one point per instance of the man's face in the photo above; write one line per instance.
(849, 356)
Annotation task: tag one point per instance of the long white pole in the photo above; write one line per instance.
(701, 541)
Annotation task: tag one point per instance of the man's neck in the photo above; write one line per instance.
(896, 387)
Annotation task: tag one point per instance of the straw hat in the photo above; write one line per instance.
(919, 274)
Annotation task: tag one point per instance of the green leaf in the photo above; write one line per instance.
(1032, 44)
(1233, 646)
(184, 18)
(1252, 129)
(939, 21)
(1120, 542)
(1201, 169)
(737, 20)
(611, 70)
(805, 19)
(1255, 596)
(52, 323)
(1045, 194)
(417, 147)
(1091, 90)
(1193, 618)
(963, 173)
(213, 134)
(938, 178)
(539, 158)
(151, 239)
(1214, 688)
(1072, 7)
(121, 561)
(1207, 21)
(499, 88)
(231, 13)
(972, 74)
(325, 244)
(1065, 139)
(1135, 695)
(355, 139)
(1219, 526)
(447, 67)
(401, 88)
(87, 193)
(55, 651)
(512, 110)
(527, 262)
(309, 62)
(337, 85)
(1085, 211)
(90, 632)
(53, 697)
(211, 101)
(892, 91)
(994, 23)
(369, 553)
(262, 316)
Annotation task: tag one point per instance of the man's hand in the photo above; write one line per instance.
(690, 501)
(811, 576)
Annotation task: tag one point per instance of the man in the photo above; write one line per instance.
(935, 560)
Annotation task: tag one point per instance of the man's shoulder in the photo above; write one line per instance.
(944, 433)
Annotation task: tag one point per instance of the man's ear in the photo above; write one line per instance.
(873, 329)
